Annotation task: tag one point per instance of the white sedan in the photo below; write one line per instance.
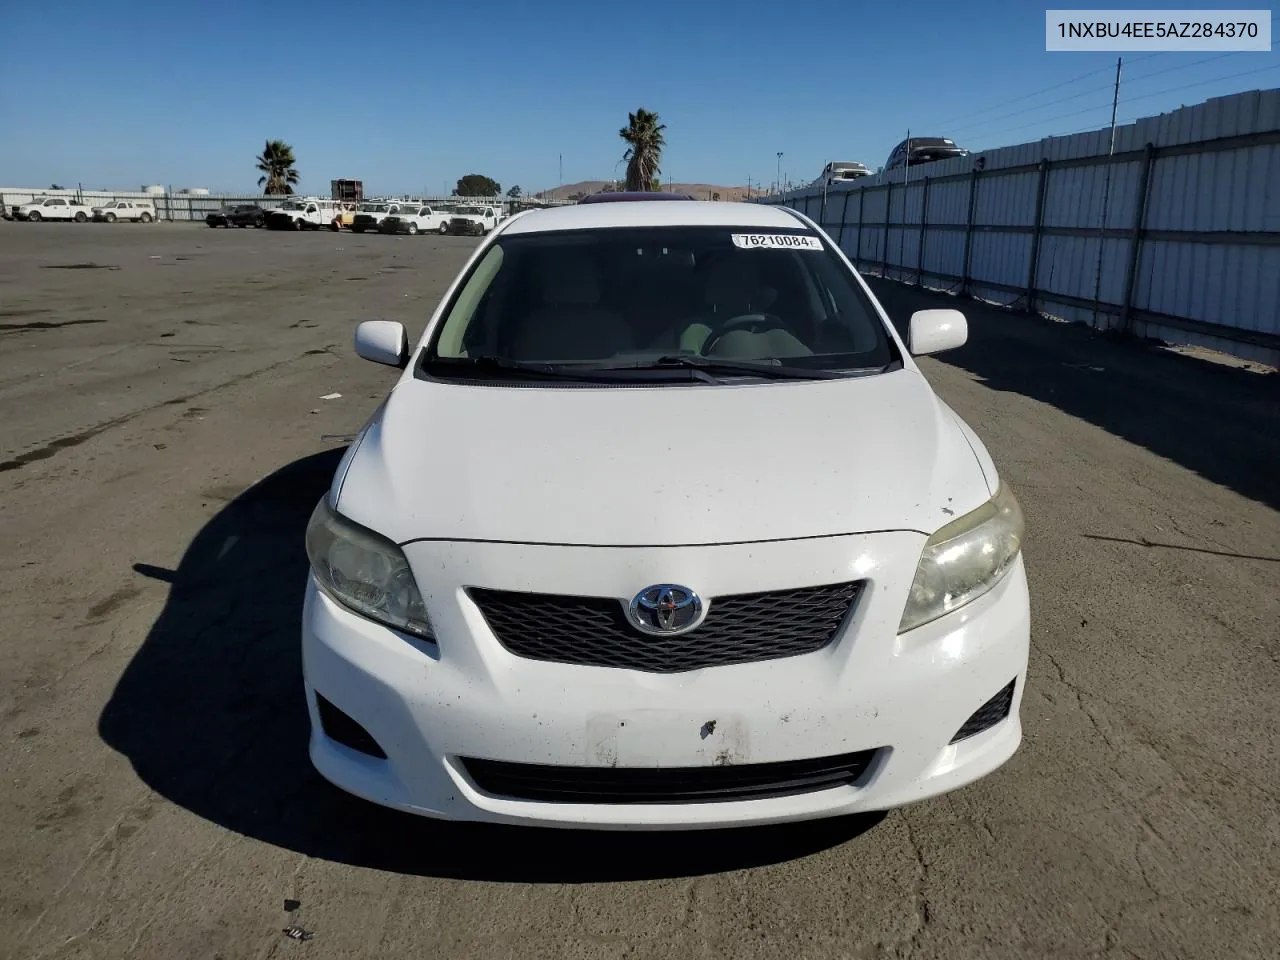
(662, 527)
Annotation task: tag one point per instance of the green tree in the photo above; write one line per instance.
(276, 164)
(644, 139)
(514, 192)
(477, 185)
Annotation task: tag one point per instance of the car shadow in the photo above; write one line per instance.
(211, 714)
(1221, 421)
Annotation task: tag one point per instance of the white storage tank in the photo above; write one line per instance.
(152, 189)
(195, 191)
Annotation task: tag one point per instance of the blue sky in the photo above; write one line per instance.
(409, 96)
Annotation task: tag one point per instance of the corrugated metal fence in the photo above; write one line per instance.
(1176, 236)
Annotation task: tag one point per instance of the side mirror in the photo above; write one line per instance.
(383, 341)
(933, 331)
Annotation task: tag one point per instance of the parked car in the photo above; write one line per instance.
(413, 219)
(473, 221)
(143, 211)
(773, 578)
(918, 150)
(52, 208)
(372, 213)
(841, 171)
(303, 213)
(240, 215)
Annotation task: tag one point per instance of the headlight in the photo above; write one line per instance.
(965, 559)
(365, 571)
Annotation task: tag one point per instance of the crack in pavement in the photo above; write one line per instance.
(74, 440)
(924, 909)
(1080, 695)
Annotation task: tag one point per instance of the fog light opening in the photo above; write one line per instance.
(340, 728)
(989, 714)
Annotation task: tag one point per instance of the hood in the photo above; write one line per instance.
(670, 465)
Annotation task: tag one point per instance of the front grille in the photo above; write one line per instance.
(594, 631)
(751, 781)
(989, 714)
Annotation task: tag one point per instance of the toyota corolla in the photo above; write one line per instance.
(662, 527)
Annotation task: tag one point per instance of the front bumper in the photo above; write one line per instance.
(429, 706)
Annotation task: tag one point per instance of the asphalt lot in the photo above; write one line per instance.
(163, 441)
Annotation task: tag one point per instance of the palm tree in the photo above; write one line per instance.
(276, 164)
(643, 135)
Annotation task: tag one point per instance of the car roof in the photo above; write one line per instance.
(673, 213)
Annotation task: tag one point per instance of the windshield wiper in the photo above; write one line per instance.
(492, 364)
(772, 369)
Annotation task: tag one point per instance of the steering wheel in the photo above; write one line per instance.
(754, 322)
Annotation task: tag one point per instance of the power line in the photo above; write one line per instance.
(1129, 100)
(968, 131)
(1201, 83)
(1184, 66)
(1146, 76)
(1036, 123)
(1049, 89)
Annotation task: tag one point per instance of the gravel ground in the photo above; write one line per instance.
(163, 441)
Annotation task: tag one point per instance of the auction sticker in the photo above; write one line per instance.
(776, 241)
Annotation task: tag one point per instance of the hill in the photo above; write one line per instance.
(703, 191)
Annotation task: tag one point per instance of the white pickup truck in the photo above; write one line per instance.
(53, 208)
(473, 221)
(412, 218)
(304, 213)
(141, 210)
(372, 212)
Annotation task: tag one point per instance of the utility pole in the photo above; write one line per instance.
(902, 233)
(1106, 195)
(748, 188)
(778, 181)
(562, 169)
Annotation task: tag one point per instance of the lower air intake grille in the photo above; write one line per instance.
(987, 715)
(593, 631)
(755, 781)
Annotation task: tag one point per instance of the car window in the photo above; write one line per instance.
(57, 203)
(638, 294)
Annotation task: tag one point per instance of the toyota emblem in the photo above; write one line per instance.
(665, 609)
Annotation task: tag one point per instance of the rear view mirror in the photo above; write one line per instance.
(933, 331)
(383, 341)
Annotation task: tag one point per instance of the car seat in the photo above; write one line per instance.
(570, 325)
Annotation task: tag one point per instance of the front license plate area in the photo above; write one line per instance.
(665, 738)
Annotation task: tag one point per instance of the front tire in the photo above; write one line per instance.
(80, 217)
(444, 229)
(299, 225)
(413, 229)
(110, 218)
(34, 217)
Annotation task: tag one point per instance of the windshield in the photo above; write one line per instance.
(407, 212)
(293, 205)
(468, 211)
(373, 208)
(635, 296)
